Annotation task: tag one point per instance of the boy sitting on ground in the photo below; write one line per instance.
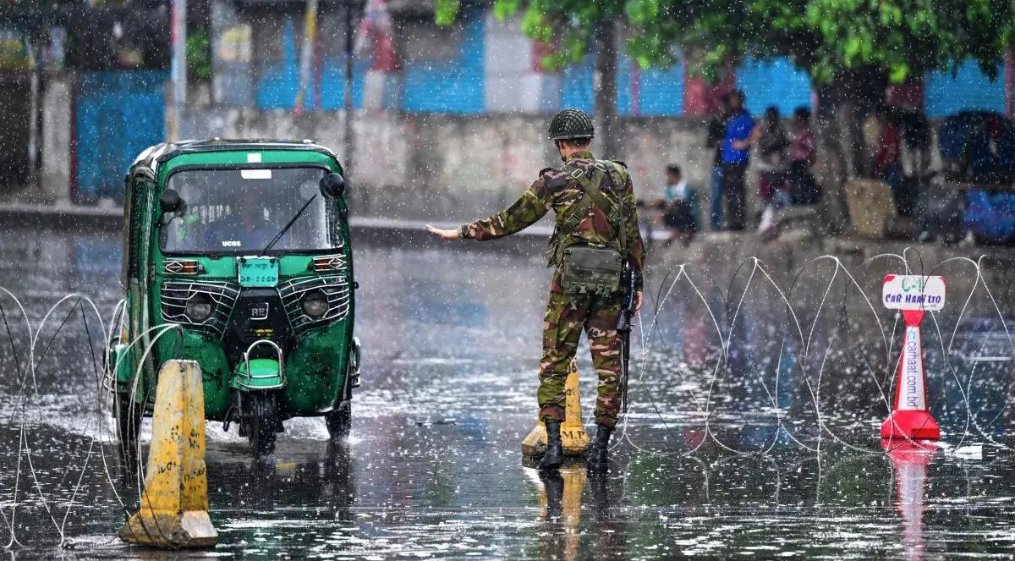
(679, 208)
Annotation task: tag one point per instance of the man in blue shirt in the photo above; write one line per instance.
(716, 134)
(736, 155)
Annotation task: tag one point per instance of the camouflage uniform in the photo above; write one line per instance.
(567, 315)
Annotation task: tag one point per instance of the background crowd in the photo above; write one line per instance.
(964, 193)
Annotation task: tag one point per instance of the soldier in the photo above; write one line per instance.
(596, 235)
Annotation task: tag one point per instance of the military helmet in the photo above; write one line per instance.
(569, 124)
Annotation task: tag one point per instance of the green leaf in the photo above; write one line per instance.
(898, 73)
(503, 9)
(852, 48)
(445, 11)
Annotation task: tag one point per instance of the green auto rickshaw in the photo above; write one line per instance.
(236, 254)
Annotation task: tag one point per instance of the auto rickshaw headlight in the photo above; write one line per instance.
(198, 308)
(315, 304)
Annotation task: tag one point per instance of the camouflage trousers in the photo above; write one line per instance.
(562, 328)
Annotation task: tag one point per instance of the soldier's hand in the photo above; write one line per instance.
(637, 301)
(441, 233)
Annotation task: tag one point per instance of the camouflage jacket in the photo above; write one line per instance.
(558, 190)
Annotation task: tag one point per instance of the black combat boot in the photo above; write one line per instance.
(599, 456)
(554, 455)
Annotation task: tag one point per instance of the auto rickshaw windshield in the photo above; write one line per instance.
(244, 210)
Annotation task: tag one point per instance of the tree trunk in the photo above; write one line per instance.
(606, 88)
(832, 168)
(843, 153)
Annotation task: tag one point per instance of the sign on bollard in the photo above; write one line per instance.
(913, 295)
(913, 292)
(572, 431)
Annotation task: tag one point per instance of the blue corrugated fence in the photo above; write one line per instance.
(119, 114)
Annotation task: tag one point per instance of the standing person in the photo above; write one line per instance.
(888, 157)
(596, 229)
(803, 149)
(916, 144)
(773, 160)
(736, 155)
(799, 187)
(679, 207)
(716, 133)
(773, 154)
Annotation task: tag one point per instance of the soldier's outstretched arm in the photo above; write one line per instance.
(529, 208)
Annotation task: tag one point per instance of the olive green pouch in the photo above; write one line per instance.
(591, 270)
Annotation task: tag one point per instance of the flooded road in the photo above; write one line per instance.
(755, 407)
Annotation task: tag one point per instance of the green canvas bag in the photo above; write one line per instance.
(587, 269)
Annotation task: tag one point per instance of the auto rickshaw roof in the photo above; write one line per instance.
(241, 145)
(156, 156)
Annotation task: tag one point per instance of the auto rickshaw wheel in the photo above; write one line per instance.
(128, 426)
(339, 421)
(262, 422)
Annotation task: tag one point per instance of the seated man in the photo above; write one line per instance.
(247, 227)
(679, 208)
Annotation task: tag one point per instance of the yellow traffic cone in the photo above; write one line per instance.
(174, 504)
(572, 430)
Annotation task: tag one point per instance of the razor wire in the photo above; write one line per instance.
(650, 340)
(145, 341)
(797, 344)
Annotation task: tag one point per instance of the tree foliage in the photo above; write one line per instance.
(570, 25)
(827, 38)
(199, 65)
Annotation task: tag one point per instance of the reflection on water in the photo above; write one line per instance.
(565, 534)
(910, 463)
(561, 500)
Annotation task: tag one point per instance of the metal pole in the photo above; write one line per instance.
(179, 67)
(307, 53)
(35, 63)
(348, 138)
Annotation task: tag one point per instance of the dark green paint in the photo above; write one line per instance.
(316, 369)
(265, 374)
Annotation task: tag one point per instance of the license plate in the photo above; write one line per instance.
(259, 311)
(258, 272)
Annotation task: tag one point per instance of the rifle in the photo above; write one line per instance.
(624, 330)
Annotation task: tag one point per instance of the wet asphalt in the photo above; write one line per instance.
(751, 432)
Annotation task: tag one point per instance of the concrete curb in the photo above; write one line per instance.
(61, 216)
(111, 218)
(790, 248)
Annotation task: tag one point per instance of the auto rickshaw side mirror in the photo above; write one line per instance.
(333, 185)
(170, 201)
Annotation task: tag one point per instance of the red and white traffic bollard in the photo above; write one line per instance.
(910, 417)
